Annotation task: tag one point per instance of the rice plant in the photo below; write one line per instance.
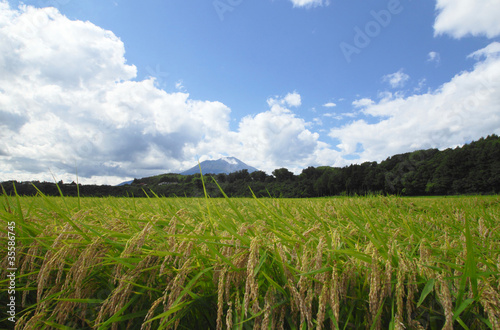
(175, 263)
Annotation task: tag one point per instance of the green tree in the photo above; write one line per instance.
(283, 175)
(259, 176)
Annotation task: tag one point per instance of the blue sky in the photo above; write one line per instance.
(265, 48)
(124, 89)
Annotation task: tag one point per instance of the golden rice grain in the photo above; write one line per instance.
(335, 292)
(229, 316)
(251, 286)
(268, 302)
(220, 300)
(490, 299)
(150, 313)
(445, 298)
(323, 298)
(399, 298)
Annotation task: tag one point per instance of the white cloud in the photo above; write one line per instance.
(293, 99)
(276, 137)
(460, 18)
(340, 116)
(272, 139)
(466, 108)
(421, 84)
(69, 100)
(362, 103)
(290, 100)
(490, 51)
(434, 57)
(310, 3)
(330, 105)
(318, 121)
(396, 79)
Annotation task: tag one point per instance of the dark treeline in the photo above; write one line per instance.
(471, 169)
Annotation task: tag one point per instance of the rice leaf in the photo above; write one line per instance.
(429, 286)
(461, 308)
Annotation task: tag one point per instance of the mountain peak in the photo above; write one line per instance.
(223, 165)
(231, 160)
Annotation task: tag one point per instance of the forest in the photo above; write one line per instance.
(471, 169)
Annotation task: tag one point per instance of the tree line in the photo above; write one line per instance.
(471, 169)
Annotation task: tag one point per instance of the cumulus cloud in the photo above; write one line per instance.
(276, 136)
(310, 3)
(329, 105)
(67, 101)
(448, 116)
(396, 79)
(293, 99)
(290, 100)
(70, 101)
(460, 18)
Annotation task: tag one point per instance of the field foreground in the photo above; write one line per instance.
(348, 263)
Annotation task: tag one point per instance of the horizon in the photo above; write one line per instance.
(116, 90)
(225, 157)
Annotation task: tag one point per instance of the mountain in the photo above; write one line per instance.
(471, 169)
(224, 165)
(125, 183)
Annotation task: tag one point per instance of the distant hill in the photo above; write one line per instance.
(224, 165)
(471, 169)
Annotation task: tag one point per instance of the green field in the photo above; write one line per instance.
(350, 263)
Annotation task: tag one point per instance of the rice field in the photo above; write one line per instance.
(176, 263)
